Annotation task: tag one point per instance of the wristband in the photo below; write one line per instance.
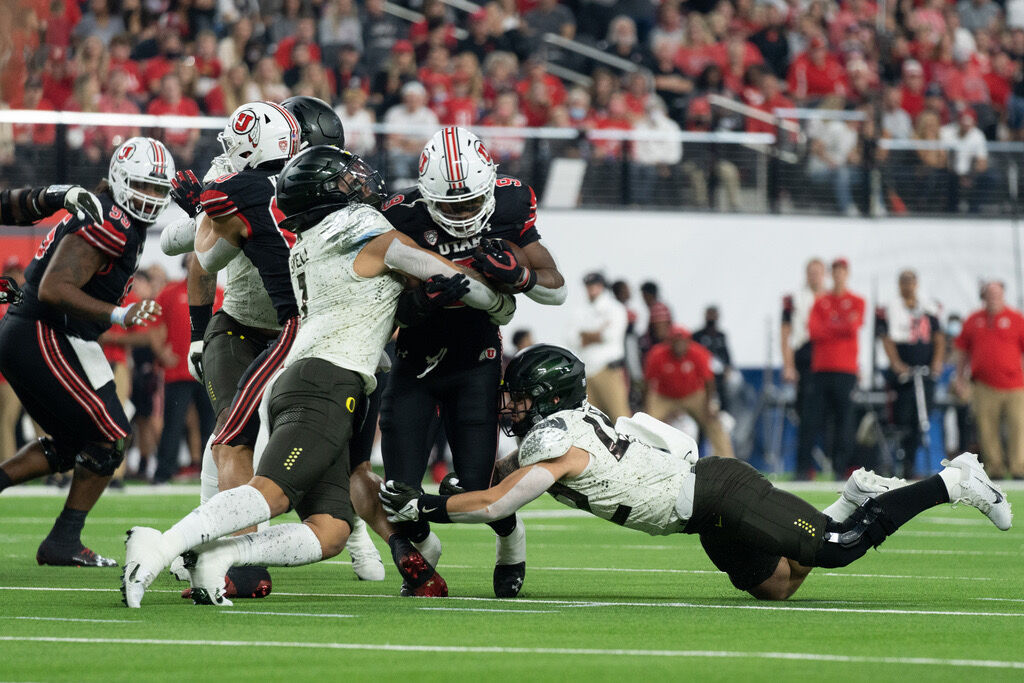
(199, 318)
(53, 196)
(434, 508)
(118, 315)
(528, 282)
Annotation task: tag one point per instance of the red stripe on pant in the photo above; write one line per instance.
(79, 390)
(248, 399)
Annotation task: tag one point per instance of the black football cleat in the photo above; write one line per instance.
(70, 556)
(508, 579)
(419, 579)
(241, 582)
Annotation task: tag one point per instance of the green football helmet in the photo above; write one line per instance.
(321, 180)
(551, 376)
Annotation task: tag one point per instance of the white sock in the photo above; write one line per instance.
(223, 514)
(208, 475)
(281, 545)
(951, 478)
(512, 548)
(840, 510)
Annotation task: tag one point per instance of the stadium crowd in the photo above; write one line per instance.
(929, 70)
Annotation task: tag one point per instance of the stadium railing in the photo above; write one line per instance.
(662, 168)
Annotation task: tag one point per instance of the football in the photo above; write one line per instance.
(524, 261)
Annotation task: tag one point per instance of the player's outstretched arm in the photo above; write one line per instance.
(25, 206)
(73, 265)
(218, 240)
(403, 503)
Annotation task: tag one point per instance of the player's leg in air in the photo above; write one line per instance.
(311, 410)
(768, 540)
(469, 411)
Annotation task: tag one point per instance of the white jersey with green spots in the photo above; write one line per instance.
(628, 481)
(346, 319)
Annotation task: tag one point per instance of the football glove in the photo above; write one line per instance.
(449, 486)
(83, 204)
(498, 263)
(138, 313)
(186, 191)
(195, 360)
(400, 501)
(440, 291)
(10, 292)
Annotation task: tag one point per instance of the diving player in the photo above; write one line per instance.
(449, 358)
(645, 475)
(343, 267)
(74, 290)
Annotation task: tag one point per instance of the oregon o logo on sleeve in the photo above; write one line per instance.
(350, 403)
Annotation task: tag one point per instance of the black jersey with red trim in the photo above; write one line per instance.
(120, 239)
(250, 195)
(459, 337)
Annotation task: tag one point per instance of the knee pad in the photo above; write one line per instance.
(60, 459)
(102, 458)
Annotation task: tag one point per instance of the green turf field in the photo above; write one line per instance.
(942, 600)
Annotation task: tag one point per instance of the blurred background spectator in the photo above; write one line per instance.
(598, 333)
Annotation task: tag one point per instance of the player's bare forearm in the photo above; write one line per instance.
(544, 266)
(73, 265)
(202, 286)
(516, 490)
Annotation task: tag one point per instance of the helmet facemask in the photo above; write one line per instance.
(140, 186)
(462, 215)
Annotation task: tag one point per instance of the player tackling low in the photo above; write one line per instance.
(343, 269)
(645, 475)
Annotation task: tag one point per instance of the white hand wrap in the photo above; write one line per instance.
(536, 481)
(179, 237)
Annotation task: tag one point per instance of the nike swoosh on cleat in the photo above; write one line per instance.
(427, 511)
(999, 496)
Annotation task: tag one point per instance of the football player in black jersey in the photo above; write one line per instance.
(449, 356)
(48, 351)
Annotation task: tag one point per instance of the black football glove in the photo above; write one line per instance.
(400, 501)
(186, 191)
(10, 292)
(498, 263)
(450, 486)
(440, 291)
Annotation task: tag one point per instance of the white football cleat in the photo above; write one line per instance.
(178, 569)
(974, 488)
(144, 559)
(209, 576)
(366, 562)
(430, 549)
(864, 484)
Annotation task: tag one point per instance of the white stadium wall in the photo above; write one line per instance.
(745, 264)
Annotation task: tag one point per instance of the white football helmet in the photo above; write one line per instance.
(457, 176)
(140, 177)
(259, 132)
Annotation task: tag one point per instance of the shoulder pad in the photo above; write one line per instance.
(353, 226)
(547, 440)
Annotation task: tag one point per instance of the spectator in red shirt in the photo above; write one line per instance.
(305, 34)
(768, 97)
(120, 60)
(834, 323)
(181, 390)
(680, 380)
(181, 141)
(990, 346)
(816, 73)
(58, 78)
(164, 63)
(34, 137)
(913, 88)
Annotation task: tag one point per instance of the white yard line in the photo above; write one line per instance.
(602, 603)
(585, 652)
(90, 621)
(483, 609)
(291, 614)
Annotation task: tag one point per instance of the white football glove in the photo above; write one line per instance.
(400, 501)
(138, 313)
(195, 360)
(83, 204)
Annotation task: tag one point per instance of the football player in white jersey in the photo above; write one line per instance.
(225, 344)
(343, 266)
(644, 475)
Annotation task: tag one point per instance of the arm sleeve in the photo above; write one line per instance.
(536, 481)
(423, 265)
(179, 237)
(548, 297)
